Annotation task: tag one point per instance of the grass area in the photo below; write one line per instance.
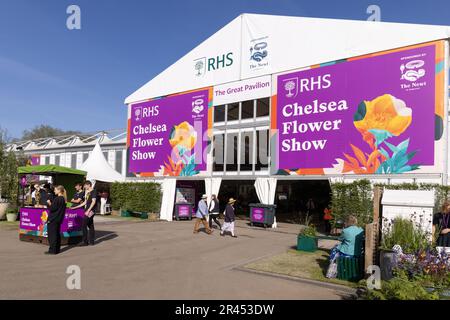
(150, 218)
(309, 265)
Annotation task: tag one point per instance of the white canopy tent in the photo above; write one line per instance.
(98, 169)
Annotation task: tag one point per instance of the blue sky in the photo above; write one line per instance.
(78, 79)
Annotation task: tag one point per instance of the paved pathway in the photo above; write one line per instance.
(153, 260)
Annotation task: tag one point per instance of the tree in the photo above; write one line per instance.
(8, 171)
(45, 131)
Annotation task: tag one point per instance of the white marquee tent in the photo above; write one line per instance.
(99, 169)
(292, 42)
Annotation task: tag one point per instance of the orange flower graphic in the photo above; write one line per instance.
(183, 136)
(386, 113)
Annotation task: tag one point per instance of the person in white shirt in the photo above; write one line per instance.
(214, 211)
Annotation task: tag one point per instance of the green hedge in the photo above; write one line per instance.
(352, 198)
(137, 197)
(357, 197)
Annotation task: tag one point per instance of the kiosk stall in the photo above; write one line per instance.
(33, 220)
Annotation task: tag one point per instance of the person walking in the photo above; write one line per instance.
(55, 218)
(214, 211)
(89, 205)
(228, 225)
(202, 212)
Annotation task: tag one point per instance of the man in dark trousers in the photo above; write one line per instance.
(89, 205)
(55, 218)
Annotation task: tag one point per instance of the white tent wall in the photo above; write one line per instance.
(168, 187)
(292, 42)
(295, 42)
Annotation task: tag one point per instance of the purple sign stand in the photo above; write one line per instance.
(261, 214)
(183, 211)
(33, 225)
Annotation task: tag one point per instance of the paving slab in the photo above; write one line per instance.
(153, 260)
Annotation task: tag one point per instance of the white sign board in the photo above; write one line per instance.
(249, 89)
(416, 205)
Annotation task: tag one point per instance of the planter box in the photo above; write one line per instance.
(11, 217)
(125, 213)
(388, 261)
(308, 244)
(3, 207)
(116, 213)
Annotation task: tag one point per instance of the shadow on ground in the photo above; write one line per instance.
(100, 236)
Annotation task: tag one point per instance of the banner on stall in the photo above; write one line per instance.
(377, 114)
(168, 136)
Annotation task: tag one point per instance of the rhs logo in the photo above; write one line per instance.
(204, 65)
(138, 113)
(291, 87)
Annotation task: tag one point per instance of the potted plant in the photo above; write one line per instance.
(306, 240)
(403, 234)
(3, 207)
(11, 214)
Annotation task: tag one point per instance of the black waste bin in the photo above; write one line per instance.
(262, 214)
(183, 211)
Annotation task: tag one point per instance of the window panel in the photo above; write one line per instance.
(262, 107)
(262, 150)
(246, 160)
(232, 151)
(233, 112)
(219, 113)
(218, 152)
(247, 109)
(119, 154)
(73, 161)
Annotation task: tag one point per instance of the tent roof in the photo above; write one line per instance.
(49, 170)
(292, 43)
(99, 169)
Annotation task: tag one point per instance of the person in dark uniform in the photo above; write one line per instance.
(78, 197)
(89, 205)
(214, 212)
(55, 218)
(441, 225)
(43, 197)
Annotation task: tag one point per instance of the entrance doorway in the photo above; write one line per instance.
(189, 191)
(241, 190)
(297, 198)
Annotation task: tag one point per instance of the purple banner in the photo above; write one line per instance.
(168, 135)
(34, 221)
(370, 115)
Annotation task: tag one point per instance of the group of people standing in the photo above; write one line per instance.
(86, 198)
(213, 211)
